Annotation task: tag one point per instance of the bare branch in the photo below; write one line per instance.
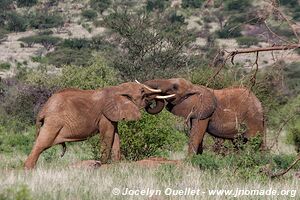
(286, 170)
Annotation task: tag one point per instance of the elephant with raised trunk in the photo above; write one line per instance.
(221, 113)
(73, 115)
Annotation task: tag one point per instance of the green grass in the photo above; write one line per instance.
(55, 179)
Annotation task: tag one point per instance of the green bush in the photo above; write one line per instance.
(16, 22)
(89, 14)
(289, 3)
(207, 161)
(237, 5)
(47, 41)
(41, 20)
(5, 66)
(100, 5)
(292, 77)
(26, 3)
(3, 35)
(296, 13)
(67, 56)
(76, 43)
(230, 32)
(150, 136)
(96, 75)
(12, 141)
(152, 5)
(247, 41)
(192, 3)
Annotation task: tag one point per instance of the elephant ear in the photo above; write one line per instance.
(119, 107)
(199, 104)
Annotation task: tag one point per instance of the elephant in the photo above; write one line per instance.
(71, 115)
(220, 113)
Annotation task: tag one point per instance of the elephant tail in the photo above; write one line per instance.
(64, 149)
(39, 123)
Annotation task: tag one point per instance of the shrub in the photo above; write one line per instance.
(89, 14)
(292, 77)
(4, 66)
(152, 5)
(282, 29)
(3, 35)
(76, 43)
(237, 5)
(230, 31)
(175, 18)
(96, 75)
(26, 3)
(289, 3)
(192, 3)
(21, 102)
(46, 40)
(296, 13)
(151, 47)
(150, 136)
(207, 161)
(16, 22)
(247, 41)
(67, 56)
(40, 20)
(100, 5)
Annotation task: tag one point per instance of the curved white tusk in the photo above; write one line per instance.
(148, 88)
(165, 97)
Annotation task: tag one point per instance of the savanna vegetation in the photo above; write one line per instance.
(145, 40)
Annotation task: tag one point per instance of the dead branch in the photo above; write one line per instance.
(274, 175)
(232, 54)
(253, 77)
(273, 33)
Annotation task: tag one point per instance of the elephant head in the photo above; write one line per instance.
(183, 98)
(125, 101)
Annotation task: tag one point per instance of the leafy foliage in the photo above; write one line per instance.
(192, 3)
(26, 3)
(152, 45)
(16, 22)
(247, 41)
(41, 20)
(150, 136)
(100, 5)
(67, 56)
(47, 41)
(89, 14)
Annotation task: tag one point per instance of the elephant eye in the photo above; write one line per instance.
(175, 87)
(127, 96)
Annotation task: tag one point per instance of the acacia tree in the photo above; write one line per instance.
(151, 44)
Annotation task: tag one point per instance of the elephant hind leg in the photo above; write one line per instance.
(44, 140)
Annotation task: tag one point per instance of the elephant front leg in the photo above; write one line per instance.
(107, 131)
(198, 130)
(116, 155)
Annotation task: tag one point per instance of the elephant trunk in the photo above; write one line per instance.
(159, 103)
(159, 106)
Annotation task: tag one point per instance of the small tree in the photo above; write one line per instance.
(152, 45)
